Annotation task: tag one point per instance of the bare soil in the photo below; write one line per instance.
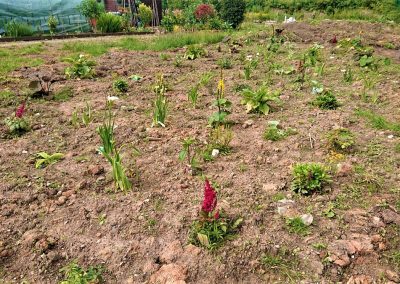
(69, 210)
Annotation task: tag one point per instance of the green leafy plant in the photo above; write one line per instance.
(160, 104)
(341, 139)
(87, 116)
(326, 100)
(225, 63)
(193, 95)
(309, 178)
(43, 159)
(74, 274)
(17, 29)
(348, 75)
(109, 23)
(52, 23)
(296, 225)
(213, 228)
(110, 151)
(91, 9)
(189, 154)
(194, 51)
(178, 62)
(222, 104)
(18, 124)
(120, 86)
(249, 67)
(368, 62)
(274, 132)
(329, 212)
(81, 67)
(145, 14)
(260, 101)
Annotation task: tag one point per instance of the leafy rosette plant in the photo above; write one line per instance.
(213, 228)
(18, 125)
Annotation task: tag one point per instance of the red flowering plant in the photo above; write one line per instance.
(17, 124)
(204, 12)
(212, 229)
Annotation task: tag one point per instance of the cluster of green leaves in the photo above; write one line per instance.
(91, 9)
(86, 116)
(249, 67)
(81, 68)
(18, 29)
(274, 132)
(194, 51)
(145, 14)
(120, 86)
(109, 23)
(326, 100)
(260, 101)
(211, 234)
(17, 126)
(341, 139)
(74, 274)
(309, 178)
(43, 159)
(296, 225)
(52, 22)
(110, 151)
(225, 63)
(219, 139)
(160, 103)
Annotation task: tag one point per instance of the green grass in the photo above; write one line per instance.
(153, 43)
(63, 95)
(377, 121)
(13, 57)
(297, 226)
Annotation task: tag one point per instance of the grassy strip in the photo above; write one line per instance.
(377, 121)
(13, 58)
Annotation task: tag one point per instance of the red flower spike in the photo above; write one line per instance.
(210, 198)
(204, 11)
(216, 215)
(20, 111)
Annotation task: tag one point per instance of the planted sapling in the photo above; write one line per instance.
(193, 95)
(81, 67)
(194, 51)
(188, 153)
(213, 228)
(222, 104)
(309, 178)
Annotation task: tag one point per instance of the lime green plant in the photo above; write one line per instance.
(74, 274)
(309, 178)
(160, 103)
(43, 159)
(260, 101)
(81, 67)
(120, 86)
(341, 139)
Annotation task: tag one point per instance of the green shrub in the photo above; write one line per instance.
(195, 51)
(340, 139)
(232, 12)
(225, 63)
(168, 22)
(145, 14)
(52, 23)
(326, 100)
(309, 178)
(109, 23)
(81, 67)
(90, 9)
(17, 29)
(74, 274)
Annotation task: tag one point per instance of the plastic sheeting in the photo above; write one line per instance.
(37, 12)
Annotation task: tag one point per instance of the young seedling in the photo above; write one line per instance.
(309, 178)
(326, 100)
(260, 101)
(160, 103)
(74, 274)
(81, 68)
(188, 153)
(120, 86)
(43, 159)
(18, 124)
(340, 139)
(193, 95)
(87, 116)
(249, 67)
(222, 104)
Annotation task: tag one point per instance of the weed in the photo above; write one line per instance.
(249, 67)
(296, 225)
(81, 67)
(193, 95)
(259, 101)
(225, 63)
(348, 75)
(74, 274)
(377, 121)
(178, 62)
(309, 178)
(160, 103)
(188, 152)
(120, 86)
(164, 56)
(43, 159)
(329, 211)
(87, 116)
(284, 262)
(319, 246)
(341, 139)
(63, 95)
(326, 100)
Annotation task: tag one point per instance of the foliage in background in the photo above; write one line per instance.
(232, 12)
(90, 9)
(52, 23)
(17, 29)
(109, 23)
(145, 14)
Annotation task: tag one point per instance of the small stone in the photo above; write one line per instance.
(96, 170)
(307, 219)
(248, 123)
(215, 153)
(61, 200)
(392, 276)
(344, 169)
(377, 222)
(389, 216)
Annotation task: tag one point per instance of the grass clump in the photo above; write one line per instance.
(326, 100)
(309, 178)
(63, 95)
(120, 86)
(377, 121)
(225, 63)
(17, 29)
(109, 23)
(341, 139)
(283, 262)
(74, 274)
(274, 132)
(296, 226)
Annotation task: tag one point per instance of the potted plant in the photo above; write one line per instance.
(92, 10)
